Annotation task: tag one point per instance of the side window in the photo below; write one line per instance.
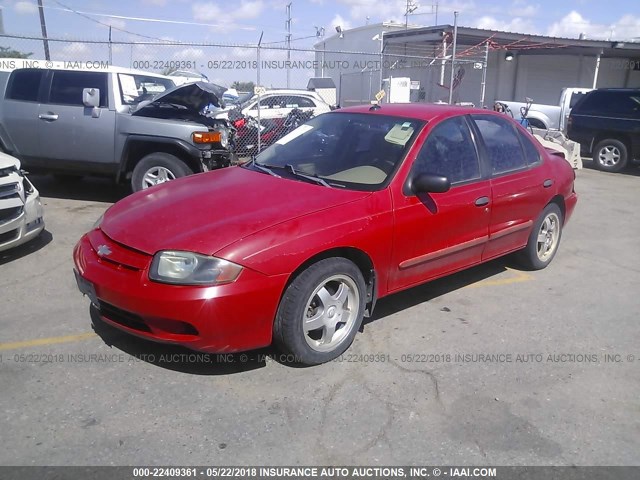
(300, 102)
(24, 85)
(66, 87)
(449, 151)
(503, 146)
(530, 151)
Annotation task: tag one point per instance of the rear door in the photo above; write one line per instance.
(20, 109)
(440, 233)
(519, 187)
(72, 135)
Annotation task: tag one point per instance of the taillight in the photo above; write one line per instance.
(241, 122)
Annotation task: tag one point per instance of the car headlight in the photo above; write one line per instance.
(187, 268)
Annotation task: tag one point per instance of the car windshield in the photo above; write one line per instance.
(350, 150)
(135, 88)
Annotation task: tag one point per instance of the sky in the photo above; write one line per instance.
(242, 22)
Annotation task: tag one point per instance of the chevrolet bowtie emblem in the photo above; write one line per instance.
(103, 251)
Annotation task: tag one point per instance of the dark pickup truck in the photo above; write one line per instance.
(606, 123)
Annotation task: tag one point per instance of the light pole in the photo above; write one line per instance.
(453, 55)
(43, 27)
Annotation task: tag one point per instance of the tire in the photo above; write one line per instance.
(332, 292)
(610, 155)
(157, 168)
(544, 239)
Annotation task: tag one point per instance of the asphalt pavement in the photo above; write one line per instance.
(493, 366)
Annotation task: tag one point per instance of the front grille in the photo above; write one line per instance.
(9, 236)
(8, 214)
(9, 191)
(123, 317)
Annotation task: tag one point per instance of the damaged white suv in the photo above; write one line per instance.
(20, 208)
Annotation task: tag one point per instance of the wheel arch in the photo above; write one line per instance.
(606, 135)
(360, 258)
(559, 201)
(136, 148)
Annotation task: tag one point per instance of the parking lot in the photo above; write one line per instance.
(493, 366)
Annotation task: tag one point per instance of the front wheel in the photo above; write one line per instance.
(544, 239)
(610, 155)
(157, 168)
(321, 311)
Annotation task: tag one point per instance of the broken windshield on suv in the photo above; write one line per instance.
(351, 150)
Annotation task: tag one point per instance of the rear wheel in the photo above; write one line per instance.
(544, 239)
(157, 168)
(610, 155)
(321, 311)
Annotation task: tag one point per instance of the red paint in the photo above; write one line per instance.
(272, 226)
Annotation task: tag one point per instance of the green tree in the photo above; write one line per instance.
(6, 52)
(243, 86)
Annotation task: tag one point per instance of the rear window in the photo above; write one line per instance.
(24, 85)
(610, 103)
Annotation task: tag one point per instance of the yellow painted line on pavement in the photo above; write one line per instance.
(46, 341)
(518, 278)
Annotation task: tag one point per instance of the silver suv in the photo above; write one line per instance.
(127, 124)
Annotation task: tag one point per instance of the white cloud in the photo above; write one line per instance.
(338, 21)
(189, 53)
(117, 23)
(520, 8)
(517, 24)
(155, 3)
(574, 23)
(26, 8)
(228, 18)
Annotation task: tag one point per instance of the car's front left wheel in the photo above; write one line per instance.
(157, 168)
(321, 311)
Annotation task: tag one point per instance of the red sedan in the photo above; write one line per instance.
(296, 247)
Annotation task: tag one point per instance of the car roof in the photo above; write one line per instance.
(420, 111)
(291, 91)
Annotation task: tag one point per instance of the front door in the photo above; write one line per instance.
(72, 135)
(439, 233)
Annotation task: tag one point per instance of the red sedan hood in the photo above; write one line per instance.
(204, 213)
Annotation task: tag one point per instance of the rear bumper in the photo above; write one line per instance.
(226, 318)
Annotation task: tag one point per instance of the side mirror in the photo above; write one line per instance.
(91, 97)
(429, 183)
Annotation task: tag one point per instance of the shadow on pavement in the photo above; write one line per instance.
(180, 359)
(632, 169)
(28, 248)
(95, 189)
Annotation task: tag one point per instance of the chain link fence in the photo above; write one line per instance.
(320, 78)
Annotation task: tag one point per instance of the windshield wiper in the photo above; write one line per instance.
(262, 168)
(314, 178)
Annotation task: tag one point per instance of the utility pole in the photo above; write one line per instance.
(110, 50)
(288, 38)
(436, 8)
(43, 26)
(484, 74)
(453, 55)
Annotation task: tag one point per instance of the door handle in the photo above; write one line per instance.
(547, 183)
(51, 117)
(482, 201)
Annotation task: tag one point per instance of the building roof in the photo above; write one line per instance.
(320, 83)
(521, 42)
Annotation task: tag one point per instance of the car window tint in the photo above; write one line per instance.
(503, 146)
(610, 102)
(449, 151)
(24, 85)
(67, 86)
(530, 151)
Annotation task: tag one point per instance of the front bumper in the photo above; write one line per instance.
(227, 318)
(21, 217)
